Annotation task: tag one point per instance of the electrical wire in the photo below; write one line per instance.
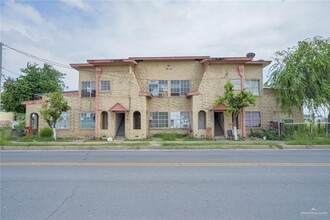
(39, 58)
(11, 71)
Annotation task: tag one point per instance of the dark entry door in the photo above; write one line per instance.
(219, 124)
(120, 124)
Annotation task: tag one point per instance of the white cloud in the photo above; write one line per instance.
(113, 29)
(79, 4)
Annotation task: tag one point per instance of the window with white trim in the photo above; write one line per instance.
(105, 85)
(236, 83)
(252, 119)
(253, 86)
(201, 120)
(63, 122)
(180, 119)
(158, 120)
(88, 89)
(87, 120)
(179, 87)
(158, 87)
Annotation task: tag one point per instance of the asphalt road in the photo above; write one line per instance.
(219, 184)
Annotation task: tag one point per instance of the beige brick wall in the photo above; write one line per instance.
(127, 81)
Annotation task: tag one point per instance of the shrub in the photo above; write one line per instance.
(46, 132)
(5, 133)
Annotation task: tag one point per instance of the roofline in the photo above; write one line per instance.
(170, 58)
(77, 66)
(112, 62)
(203, 60)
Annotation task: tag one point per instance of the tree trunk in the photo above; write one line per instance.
(235, 126)
(54, 133)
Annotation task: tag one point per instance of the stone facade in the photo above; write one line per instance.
(129, 89)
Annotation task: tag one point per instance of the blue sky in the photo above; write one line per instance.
(72, 31)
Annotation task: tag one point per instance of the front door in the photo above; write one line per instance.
(120, 125)
(219, 124)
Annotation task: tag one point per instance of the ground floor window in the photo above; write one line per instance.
(252, 119)
(180, 120)
(136, 120)
(104, 120)
(63, 122)
(158, 120)
(201, 120)
(87, 120)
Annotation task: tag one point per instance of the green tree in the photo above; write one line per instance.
(235, 102)
(52, 109)
(36, 80)
(301, 75)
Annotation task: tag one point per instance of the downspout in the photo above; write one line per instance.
(98, 73)
(242, 76)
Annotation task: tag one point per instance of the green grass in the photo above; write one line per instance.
(80, 145)
(169, 136)
(307, 141)
(39, 139)
(221, 144)
(143, 139)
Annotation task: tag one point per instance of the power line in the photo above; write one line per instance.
(11, 71)
(39, 58)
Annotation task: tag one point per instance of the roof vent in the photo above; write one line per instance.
(250, 55)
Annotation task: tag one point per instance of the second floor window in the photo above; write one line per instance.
(236, 83)
(105, 85)
(158, 87)
(253, 86)
(88, 89)
(179, 87)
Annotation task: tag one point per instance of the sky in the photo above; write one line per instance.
(73, 31)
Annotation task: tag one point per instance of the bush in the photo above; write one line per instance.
(5, 133)
(46, 132)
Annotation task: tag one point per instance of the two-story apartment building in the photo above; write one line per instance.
(141, 96)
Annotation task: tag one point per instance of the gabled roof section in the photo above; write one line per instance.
(118, 108)
(220, 107)
(144, 93)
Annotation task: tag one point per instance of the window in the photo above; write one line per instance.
(158, 120)
(179, 87)
(87, 120)
(252, 119)
(136, 120)
(104, 120)
(63, 122)
(87, 89)
(253, 86)
(236, 83)
(158, 87)
(201, 120)
(179, 119)
(105, 85)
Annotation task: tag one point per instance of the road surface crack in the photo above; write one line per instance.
(64, 201)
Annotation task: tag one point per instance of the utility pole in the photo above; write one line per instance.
(1, 44)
